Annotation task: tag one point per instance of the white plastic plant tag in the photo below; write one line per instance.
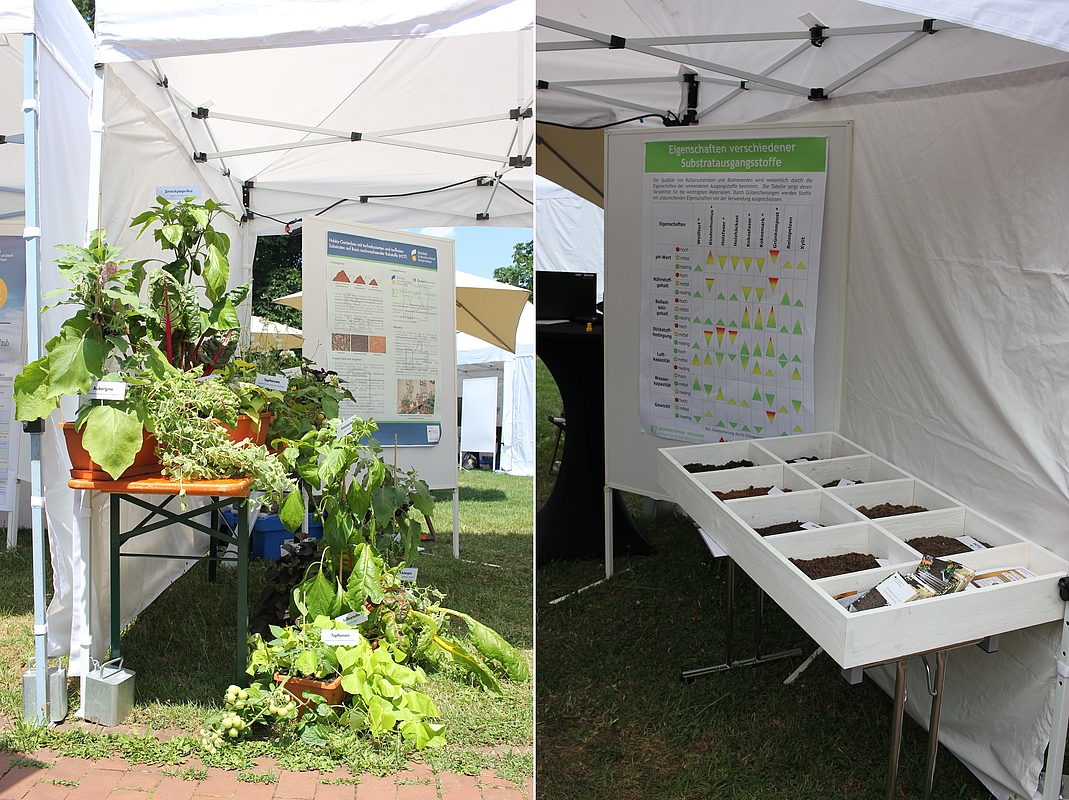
(292, 372)
(280, 382)
(895, 590)
(331, 636)
(971, 543)
(883, 562)
(775, 490)
(282, 547)
(810, 526)
(345, 428)
(206, 378)
(434, 433)
(409, 573)
(845, 482)
(712, 544)
(351, 618)
(107, 390)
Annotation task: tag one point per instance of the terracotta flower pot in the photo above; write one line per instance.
(83, 466)
(331, 691)
(244, 430)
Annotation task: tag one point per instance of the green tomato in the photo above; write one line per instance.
(233, 733)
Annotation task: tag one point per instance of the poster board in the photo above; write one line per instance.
(630, 451)
(478, 429)
(380, 310)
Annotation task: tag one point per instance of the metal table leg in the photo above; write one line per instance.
(933, 721)
(242, 634)
(116, 543)
(896, 728)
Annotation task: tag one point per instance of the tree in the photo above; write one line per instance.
(521, 271)
(86, 10)
(276, 272)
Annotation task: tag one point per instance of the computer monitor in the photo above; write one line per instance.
(566, 295)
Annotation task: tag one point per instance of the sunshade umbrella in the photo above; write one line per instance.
(266, 333)
(486, 309)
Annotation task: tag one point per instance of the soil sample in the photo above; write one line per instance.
(871, 599)
(783, 527)
(752, 491)
(803, 458)
(889, 510)
(827, 566)
(695, 467)
(834, 483)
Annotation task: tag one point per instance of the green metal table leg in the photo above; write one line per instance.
(242, 644)
(116, 610)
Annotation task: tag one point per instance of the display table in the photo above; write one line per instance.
(232, 492)
(808, 470)
(571, 524)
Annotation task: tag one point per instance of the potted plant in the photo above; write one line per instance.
(113, 335)
(299, 661)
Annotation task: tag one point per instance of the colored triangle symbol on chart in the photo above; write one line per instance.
(796, 376)
(696, 362)
(760, 264)
(782, 360)
(734, 298)
(696, 385)
(747, 260)
(745, 349)
(733, 425)
(744, 404)
(720, 358)
(757, 394)
(770, 350)
(797, 406)
(709, 414)
(774, 254)
(798, 429)
(770, 374)
(708, 336)
(797, 327)
(757, 326)
(786, 301)
(732, 334)
(771, 416)
(721, 296)
(697, 267)
(698, 320)
(745, 318)
(783, 409)
(719, 322)
(746, 428)
(772, 283)
(710, 259)
(786, 264)
(756, 368)
(720, 334)
(771, 317)
(800, 265)
(694, 346)
(697, 293)
(771, 398)
(719, 394)
(746, 291)
(758, 428)
(798, 304)
(797, 359)
(760, 292)
(732, 356)
(708, 361)
(709, 284)
(784, 329)
(723, 261)
(732, 402)
(698, 418)
(734, 262)
(745, 360)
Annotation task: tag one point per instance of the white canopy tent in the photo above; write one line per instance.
(954, 364)
(517, 402)
(569, 232)
(413, 116)
(45, 49)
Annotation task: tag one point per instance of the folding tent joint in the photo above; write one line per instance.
(161, 83)
(817, 94)
(355, 136)
(816, 35)
(246, 194)
(541, 84)
(200, 113)
(929, 26)
(34, 426)
(482, 217)
(517, 113)
(617, 42)
(363, 199)
(200, 158)
(484, 181)
(520, 161)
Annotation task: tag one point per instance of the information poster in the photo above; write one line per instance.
(731, 250)
(383, 322)
(12, 313)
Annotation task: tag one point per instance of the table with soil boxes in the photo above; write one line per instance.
(815, 520)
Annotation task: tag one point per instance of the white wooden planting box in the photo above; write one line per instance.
(857, 639)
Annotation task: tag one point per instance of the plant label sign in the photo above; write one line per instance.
(345, 428)
(351, 618)
(279, 382)
(341, 636)
(107, 390)
(409, 573)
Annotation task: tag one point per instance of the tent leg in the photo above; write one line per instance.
(456, 522)
(608, 532)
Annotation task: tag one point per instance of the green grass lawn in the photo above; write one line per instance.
(182, 649)
(615, 720)
(547, 404)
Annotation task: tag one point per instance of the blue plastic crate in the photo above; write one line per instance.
(269, 534)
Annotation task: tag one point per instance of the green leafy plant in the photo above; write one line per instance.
(260, 703)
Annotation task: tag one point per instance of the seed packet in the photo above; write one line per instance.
(942, 575)
(894, 590)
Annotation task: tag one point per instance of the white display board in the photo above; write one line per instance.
(630, 450)
(478, 428)
(379, 309)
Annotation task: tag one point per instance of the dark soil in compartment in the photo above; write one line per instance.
(803, 458)
(696, 467)
(834, 483)
(783, 527)
(751, 491)
(826, 566)
(940, 546)
(889, 510)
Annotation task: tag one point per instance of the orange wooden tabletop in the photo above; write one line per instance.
(157, 484)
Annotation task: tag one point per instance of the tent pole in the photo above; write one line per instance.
(32, 234)
(456, 522)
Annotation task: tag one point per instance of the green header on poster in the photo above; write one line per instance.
(808, 154)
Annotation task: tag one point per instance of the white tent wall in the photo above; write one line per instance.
(517, 390)
(569, 232)
(954, 364)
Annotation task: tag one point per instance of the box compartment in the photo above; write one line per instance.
(865, 469)
(857, 538)
(730, 480)
(723, 453)
(810, 445)
(804, 506)
(906, 492)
